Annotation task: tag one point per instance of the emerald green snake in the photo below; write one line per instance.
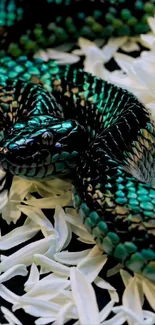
(59, 120)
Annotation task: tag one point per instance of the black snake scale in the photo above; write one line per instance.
(58, 120)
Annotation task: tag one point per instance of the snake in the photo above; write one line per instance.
(60, 120)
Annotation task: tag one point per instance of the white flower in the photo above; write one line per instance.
(138, 76)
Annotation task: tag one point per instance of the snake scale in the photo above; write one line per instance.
(56, 120)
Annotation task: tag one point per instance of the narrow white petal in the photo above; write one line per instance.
(139, 281)
(44, 321)
(131, 299)
(149, 291)
(112, 46)
(51, 265)
(80, 231)
(143, 75)
(13, 271)
(105, 312)
(8, 295)
(63, 314)
(18, 235)
(47, 290)
(36, 307)
(91, 266)
(130, 46)
(61, 57)
(50, 202)
(25, 254)
(114, 270)
(100, 71)
(86, 307)
(101, 283)
(71, 258)
(37, 216)
(62, 228)
(132, 317)
(114, 295)
(3, 202)
(149, 315)
(95, 251)
(87, 240)
(10, 316)
(148, 40)
(124, 61)
(126, 277)
(118, 319)
(33, 277)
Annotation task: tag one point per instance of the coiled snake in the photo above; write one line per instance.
(57, 120)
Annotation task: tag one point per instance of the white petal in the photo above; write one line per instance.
(143, 75)
(148, 40)
(62, 228)
(25, 254)
(87, 239)
(87, 308)
(126, 277)
(33, 277)
(61, 57)
(101, 283)
(8, 295)
(51, 202)
(114, 270)
(10, 316)
(71, 258)
(100, 71)
(52, 187)
(118, 319)
(95, 251)
(63, 314)
(91, 266)
(80, 231)
(149, 315)
(36, 307)
(37, 216)
(130, 46)
(114, 295)
(131, 299)
(105, 312)
(112, 46)
(149, 291)
(46, 290)
(4, 199)
(18, 235)
(132, 317)
(124, 61)
(44, 321)
(51, 265)
(13, 271)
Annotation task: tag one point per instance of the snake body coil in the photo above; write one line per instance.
(55, 120)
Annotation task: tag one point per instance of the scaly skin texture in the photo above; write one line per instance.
(57, 120)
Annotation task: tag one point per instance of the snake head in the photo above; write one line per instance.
(42, 146)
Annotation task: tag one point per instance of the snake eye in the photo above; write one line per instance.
(47, 138)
